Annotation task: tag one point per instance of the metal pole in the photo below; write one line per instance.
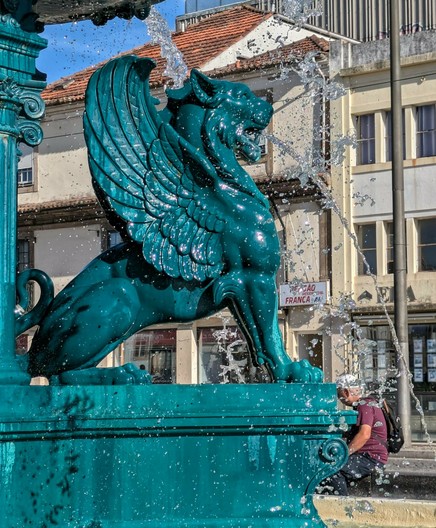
(400, 258)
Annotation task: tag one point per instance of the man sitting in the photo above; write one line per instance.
(367, 440)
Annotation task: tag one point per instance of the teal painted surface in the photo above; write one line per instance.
(32, 14)
(32, 317)
(20, 49)
(20, 109)
(21, 12)
(199, 235)
(172, 456)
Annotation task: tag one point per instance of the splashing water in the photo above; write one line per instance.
(228, 342)
(160, 33)
(299, 11)
(350, 332)
(309, 168)
(313, 79)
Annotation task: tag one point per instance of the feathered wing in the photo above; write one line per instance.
(141, 171)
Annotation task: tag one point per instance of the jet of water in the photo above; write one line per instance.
(299, 11)
(160, 33)
(309, 166)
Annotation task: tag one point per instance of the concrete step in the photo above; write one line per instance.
(351, 512)
(409, 474)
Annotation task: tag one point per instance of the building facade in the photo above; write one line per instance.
(362, 186)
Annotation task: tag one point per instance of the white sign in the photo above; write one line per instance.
(303, 293)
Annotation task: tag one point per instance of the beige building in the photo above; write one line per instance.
(61, 226)
(362, 186)
(361, 20)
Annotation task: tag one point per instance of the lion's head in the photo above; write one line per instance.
(225, 111)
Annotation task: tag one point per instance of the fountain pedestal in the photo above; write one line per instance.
(168, 456)
(141, 456)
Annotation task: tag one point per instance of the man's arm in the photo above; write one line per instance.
(358, 441)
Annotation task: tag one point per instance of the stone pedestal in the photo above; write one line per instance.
(167, 456)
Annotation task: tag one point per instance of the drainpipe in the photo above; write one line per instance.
(400, 263)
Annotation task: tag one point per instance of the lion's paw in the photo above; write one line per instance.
(303, 372)
(140, 377)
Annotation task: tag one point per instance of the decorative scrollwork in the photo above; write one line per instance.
(334, 454)
(33, 105)
(28, 106)
(8, 19)
(334, 451)
(24, 317)
(30, 103)
(30, 132)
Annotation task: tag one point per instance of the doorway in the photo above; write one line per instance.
(310, 348)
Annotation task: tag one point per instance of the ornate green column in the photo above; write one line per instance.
(20, 109)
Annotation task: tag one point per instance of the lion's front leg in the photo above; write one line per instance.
(254, 305)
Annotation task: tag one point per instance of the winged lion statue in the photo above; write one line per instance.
(198, 235)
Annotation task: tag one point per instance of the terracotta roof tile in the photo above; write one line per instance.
(85, 201)
(283, 55)
(199, 44)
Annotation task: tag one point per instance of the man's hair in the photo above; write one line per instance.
(348, 381)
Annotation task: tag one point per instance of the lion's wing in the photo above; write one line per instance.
(140, 170)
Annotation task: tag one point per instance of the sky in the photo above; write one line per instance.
(74, 46)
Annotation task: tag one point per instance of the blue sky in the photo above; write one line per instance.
(72, 47)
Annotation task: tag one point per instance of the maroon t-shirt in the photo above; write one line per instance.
(369, 413)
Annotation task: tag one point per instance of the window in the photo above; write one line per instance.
(114, 238)
(365, 129)
(154, 351)
(390, 247)
(366, 236)
(23, 255)
(371, 132)
(388, 136)
(25, 167)
(378, 365)
(25, 177)
(223, 355)
(422, 346)
(378, 357)
(425, 131)
(427, 244)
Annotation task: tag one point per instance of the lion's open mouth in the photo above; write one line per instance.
(248, 143)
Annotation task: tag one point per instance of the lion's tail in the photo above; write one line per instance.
(24, 321)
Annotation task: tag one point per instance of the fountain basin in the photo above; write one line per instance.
(170, 456)
(31, 15)
(99, 11)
